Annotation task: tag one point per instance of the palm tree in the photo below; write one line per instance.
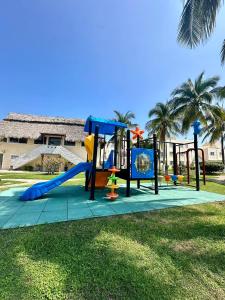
(198, 20)
(194, 100)
(215, 128)
(127, 118)
(163, 123)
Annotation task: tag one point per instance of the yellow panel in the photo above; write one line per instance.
(89, 145)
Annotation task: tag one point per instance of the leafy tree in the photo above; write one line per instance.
(163, 123)
(198, 20)
(194, 100)
(52, 163)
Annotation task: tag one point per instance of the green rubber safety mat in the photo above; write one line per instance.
(72, 203)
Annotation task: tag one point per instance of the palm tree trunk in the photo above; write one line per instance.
(164, 156)
(159, 158)
(222, 148)
(166, 166)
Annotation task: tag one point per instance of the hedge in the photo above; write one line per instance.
(213, 167)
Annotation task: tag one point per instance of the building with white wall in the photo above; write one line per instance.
(182, 145)
(213, 152)
(27, 140)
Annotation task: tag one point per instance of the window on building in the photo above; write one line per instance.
(55, 141)
(82, 144)
(23, 141)
(16, 140)
(41, 140)
(4, 140)
(13, 140)
(212, 153)
(14, 156)
(69, 143)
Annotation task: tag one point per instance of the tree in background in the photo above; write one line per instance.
(52, 163)
(164, 124)
(198, 20)
(194, 100)
(127, 118)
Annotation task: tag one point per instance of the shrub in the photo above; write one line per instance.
(192, 166)
(52, 163)
(182, 169)
(213, 167)
(28, 168)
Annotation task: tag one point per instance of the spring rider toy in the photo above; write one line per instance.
(113, 195)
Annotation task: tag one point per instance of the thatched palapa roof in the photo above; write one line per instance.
(32, 126)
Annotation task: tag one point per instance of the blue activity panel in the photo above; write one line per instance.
(142, 163)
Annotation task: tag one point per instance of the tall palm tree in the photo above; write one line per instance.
(127, 118)
(163, 123)
(194, 100)
(215, 128)
(198, 20)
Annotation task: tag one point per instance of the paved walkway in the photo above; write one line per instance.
(71, 203)
(27, 182)
(219, 179)
(19, 182)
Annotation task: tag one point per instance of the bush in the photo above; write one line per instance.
(213, 167)
(28, 168)
(192, 166)
(182, 169)
(52, 163)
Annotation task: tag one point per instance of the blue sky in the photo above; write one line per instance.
(74, 58)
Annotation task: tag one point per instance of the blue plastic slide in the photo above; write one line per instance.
(39, 189)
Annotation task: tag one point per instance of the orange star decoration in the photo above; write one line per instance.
(137, 133)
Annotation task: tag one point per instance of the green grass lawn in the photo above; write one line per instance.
(213, 187)
(176, 253)
(32, 175)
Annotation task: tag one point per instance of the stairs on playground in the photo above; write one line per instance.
(45, 149)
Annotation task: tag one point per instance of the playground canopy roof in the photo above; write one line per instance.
(105, 126)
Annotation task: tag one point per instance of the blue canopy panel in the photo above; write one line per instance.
(105, 126)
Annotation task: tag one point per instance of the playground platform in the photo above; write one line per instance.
(70, 203)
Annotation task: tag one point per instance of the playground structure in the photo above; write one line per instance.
(112, 155)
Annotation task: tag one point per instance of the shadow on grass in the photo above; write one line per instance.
(139, 256)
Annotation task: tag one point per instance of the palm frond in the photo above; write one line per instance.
(219, 92)
(209, 83)
(162, 121)
(222, 53)
(189, 30)
(198, 20)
